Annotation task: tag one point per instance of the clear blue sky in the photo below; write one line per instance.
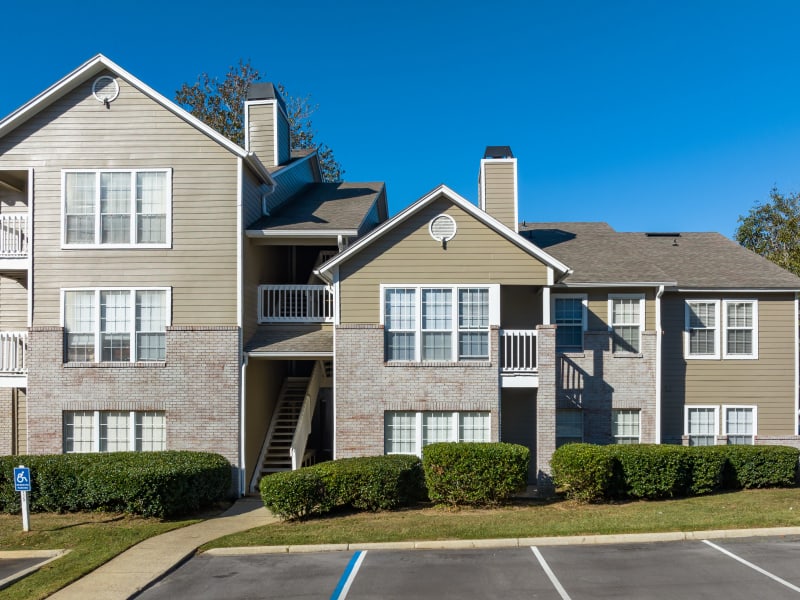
(651, 115)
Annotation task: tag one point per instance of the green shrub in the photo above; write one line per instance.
(366, 483)
(474, 474)
(585, 472)
(155, 484)
(654, 471)
(762, 466)
(709, 469)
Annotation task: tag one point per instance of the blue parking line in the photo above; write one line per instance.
(349, 575)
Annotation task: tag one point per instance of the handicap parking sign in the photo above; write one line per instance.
(22, 479)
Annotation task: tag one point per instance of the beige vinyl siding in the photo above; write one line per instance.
(263, 264)
(408, 254)
(290, 181)
(264, 381)
(78, 132)
(13, 303)
(500, 187)
(767, 382)
(261, 134)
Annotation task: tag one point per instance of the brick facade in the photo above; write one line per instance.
(197, 387)
(367, 386)
(6, 422)
(598, 381)
(545, 405)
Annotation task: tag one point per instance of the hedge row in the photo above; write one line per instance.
(594, 473)
(153, 484)
(368, 483)
(474, 474)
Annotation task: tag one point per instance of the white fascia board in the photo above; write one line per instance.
(738, 290)
(462, 203)
(283, 233)
(290, 355)
(614, 284)
(288, 167)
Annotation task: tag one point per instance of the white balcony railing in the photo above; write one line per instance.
(13, 236)
(518, 350)
(295, 304)
(13, 351)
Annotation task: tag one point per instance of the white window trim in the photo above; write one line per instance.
(725, 354)
(633, 410)
(717, 333)
(132, 291)
(705, 406)
(494, 314)
(724, 419)
(97, 244)
(641, 298)
(454, 426)
(96, 430)
(584, 298)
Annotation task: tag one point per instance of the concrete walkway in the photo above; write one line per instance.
(133, 570)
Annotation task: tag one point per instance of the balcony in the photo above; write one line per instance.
(295, 304)
(518, 365)
(13, 355)
(14, 241)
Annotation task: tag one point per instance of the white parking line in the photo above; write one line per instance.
(553, 579)
(791, 586)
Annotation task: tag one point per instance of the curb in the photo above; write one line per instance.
(50, 555)
(580, 540)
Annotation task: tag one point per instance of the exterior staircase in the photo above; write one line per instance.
(277, 455)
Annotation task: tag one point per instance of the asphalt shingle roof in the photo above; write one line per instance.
(291, 338)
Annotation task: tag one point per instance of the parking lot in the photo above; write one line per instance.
(743, 568)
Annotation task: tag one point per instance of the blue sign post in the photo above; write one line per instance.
(22, 484)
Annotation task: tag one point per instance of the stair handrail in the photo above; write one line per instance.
(303, 429)
(265, 445)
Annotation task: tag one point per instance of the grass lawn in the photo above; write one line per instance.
(735, 510)
(94, 539)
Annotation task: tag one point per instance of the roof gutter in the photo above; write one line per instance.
(286, 233)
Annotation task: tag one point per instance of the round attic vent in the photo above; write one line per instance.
(105, 89)
(442, 228)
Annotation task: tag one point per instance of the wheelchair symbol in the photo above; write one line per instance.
(21, 478)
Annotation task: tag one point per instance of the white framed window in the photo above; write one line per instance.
(702, 324)
(569, 426)
(116, 208)
(438, 323)
(625, 426)
(114, 431)
(701, 424)
(115, 324)
(626, 322)
(741, 329)
(740, 424)
(569, 315)
(408, 432)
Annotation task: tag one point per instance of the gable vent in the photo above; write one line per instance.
(442, 228)
(105, 89)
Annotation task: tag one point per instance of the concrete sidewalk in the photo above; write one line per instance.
(148, 561)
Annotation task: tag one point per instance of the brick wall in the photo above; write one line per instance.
(597, 381)
(197, 387)
(6, 421)
(367, 386)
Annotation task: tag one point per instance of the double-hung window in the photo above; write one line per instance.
(701, 425)
(114, 431)
(569, 426)
(625, 426)
(741, 329)
(626, 322)
(569, 315)
(438, 323)
(115, 325)
(702, 329)
(739, 424)
(408, 432)
(116, 208)
(727, 329)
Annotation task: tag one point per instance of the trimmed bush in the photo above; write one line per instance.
(585, 472)
(762, 466)
(367, 483)
(710, 468)
(474, 474)
(654, 471)
(153, 484)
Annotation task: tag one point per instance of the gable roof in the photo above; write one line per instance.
(442, 192)
(99, 64)
(687, 261)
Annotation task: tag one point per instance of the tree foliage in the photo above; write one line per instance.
(772, 229)
(220, 105)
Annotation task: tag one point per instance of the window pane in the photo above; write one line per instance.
(115, 208)
(114, 431)
(437, 427)
(115, 325)
(625, 323)
(473, 345)
(79, 431)
(79, 325)
(473, 427)
(399, 433)
(740, 341)
(151, 317)
(150, 431)
(569, 426)
(739, 334)
(437, 346)
(702, 427)
(400, 346)
(569, 319)
(437, 309)
(473, 308)
(739, 425)
(625, 426)
(151, 207)
(79, 206)
(702, 327)
(400, 324)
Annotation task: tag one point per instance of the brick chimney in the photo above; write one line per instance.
(497, 185)
(266, 125)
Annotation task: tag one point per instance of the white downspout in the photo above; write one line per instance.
(659, 333)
